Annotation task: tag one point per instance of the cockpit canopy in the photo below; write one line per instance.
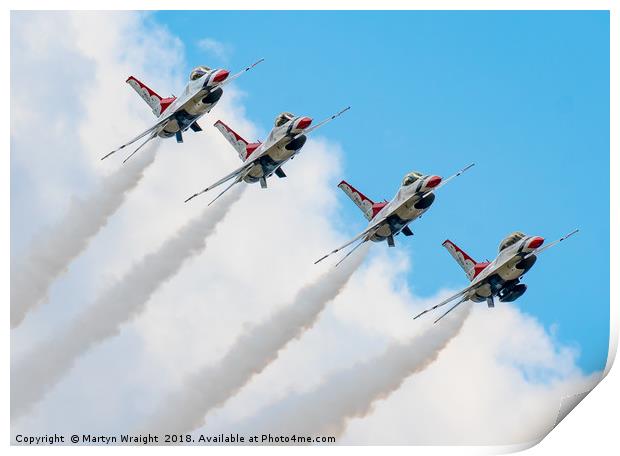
(510, 240)
(283, 118)
(411, 178)
(198, 72)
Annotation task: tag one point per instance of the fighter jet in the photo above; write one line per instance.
(387, 219)
(262, 159)
(176, 115)
(500, 277)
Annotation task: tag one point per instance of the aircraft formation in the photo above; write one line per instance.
(499, 278)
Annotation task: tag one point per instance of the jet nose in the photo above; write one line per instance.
(433, 182)
(304, 122)
(220, 75)
(535, 242)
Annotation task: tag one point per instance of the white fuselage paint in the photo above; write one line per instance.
(504, 266)
(188, 106)
(274, 148)
(402, 206)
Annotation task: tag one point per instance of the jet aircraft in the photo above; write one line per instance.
(500, 277)
(263, 159)
(387, 219)
(176, 115)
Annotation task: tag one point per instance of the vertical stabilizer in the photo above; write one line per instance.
(467, 263)
(364, 203)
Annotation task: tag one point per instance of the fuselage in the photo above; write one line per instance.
(404, 208)
(197, 99)
(502, 275)
(281, 145)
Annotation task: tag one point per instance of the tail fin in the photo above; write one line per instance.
(241, 145)
(469, 265)
(368, 207)
(156, 102)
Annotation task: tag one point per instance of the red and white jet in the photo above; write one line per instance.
(387, 219)
(500, 277)
(262, 159)
(178, 114)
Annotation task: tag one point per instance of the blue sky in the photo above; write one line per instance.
(524, 95)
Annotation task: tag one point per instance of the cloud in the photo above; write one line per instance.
(34, 375)
(352, 392)
(501, 382)
(218, 49)
(258, 260)
(51, 253)
(259, 346)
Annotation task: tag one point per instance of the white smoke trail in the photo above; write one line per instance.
(251, 353)
(352, 392)
(51, 253)
(44, 366)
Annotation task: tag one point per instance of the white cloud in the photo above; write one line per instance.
(500, 382)
(220, 50)
(51, 253)
(502, 371)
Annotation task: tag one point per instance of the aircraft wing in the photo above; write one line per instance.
(323, 122)
(151, 131)
(235, 76)
(238, 173)
(365, 235)
(545, 247)
(445, 181)
(461, 294)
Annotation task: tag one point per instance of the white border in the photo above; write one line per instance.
(592, 429)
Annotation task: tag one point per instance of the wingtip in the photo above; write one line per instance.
(256, 63)
(320, 259)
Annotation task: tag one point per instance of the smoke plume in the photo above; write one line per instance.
(44, 366)
(251, 353)
(351, 393)
(51, 253)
